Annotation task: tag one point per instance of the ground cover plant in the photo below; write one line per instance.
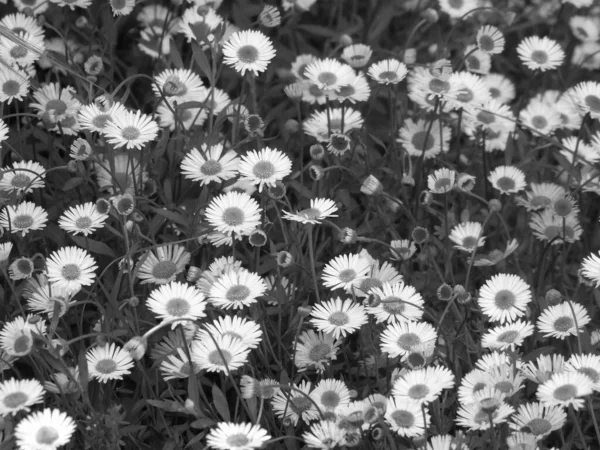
(302, 224)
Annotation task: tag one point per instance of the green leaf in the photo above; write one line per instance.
(220, 402)
(202, 61)
(172, 215)
(94, 246)
(168, 405)
(202, 423)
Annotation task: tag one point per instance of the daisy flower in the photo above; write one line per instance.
(540, 53)
(423, 385)
(95, 116)
(245, 330)
(475, 417)
(320, 208)
(83, 219)
(541, 196)
(417, 141)
(396, 302)
(236, 289)
(21, 49)
(121, 7)
(467, 236)
(47, 429)
(71, 268)
(237, 436)
(315, 350)
(55, 103)
(477, 61)
(490, 39)
(540, 370)
(505, 380)
(338, 317)
(131, 129)
(126, 176)
(467, 91)
(21, 269)
(398, 339)
(248, 50)
(324, 434)
(458, 9)
(210, 164)
(44, 297)
(109, 362)
(507, 179)
(178, 365)
(220, 353)
(591, 268)
(357, 55)
(73, 3)
(378, 275)
(180, 84)
(507, 337)
(388, 71)
(23, 177)
(565, 389)
(441, 181)
(356, 90)
(233, 212)
(18, 22)
(562, 320)
(500, 87)
(405, 416)
(198, 25)
(265, 167)
(176, 302)
(547, 226)
(25, 217)
(345, 271)
(16, 337)
(80, 150)
(403, 249)
(582, 152)
(162, 265)
(504, 297)
(587, 364)
(339, 122)
(328, 74)
(64, 383)
(538, 419)
(14, 85)
(329, 394)
(19, 395)
(266, 388)
(586, 96)
(540, 118)
(295, 404)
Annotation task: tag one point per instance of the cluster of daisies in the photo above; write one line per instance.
(213, 320)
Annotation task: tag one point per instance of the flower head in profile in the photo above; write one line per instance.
(320, 208)
(248, 50)
(237, 436)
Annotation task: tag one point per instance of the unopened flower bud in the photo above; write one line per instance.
(495, 205)
(316, 172)
(317, 152)
(277, 191)
(419, 235)
(345, 40)
(304, 311)
(291, 126)
(426, 198)
(72, 166)
(102, 206)
(257, 238)
(136, 347)
(190, 406)
(462, 296)
(408, 180)
(371, 186)
(133, 301)
(348, 235)
(553, 297)
(444, 292)
(269, 17)
(80, 22)
(101, 340)
(124, 204)
(193, 274)
(410, 56)
(293, 91)
(284, 259)
(430, 15)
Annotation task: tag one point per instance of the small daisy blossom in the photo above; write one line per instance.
(108, 363)
(176, 302)
(236, 289)
(27, 216)
(539, 419)
(474, 417)
(399, 339)
(388, 71)
(320, 208)
(540, 370)
(441, 181)
(315, 350)
(540, 53)
(245, 330)
(329, 394)
(406, 417)
(324, 434)
(301, 405)
(233, 212)
(16, 337)
(329, 74)
(83, 219)
(490, 39)
(71, 268)
(562, 320)
(397, 302)
(265, 167)
(504, 297)
(507, 179)
(210, 164)
(591, 268)
(163, 264)
(345, 271)
(19, 395)
(237, 436)
(338, 317)
(23, 177)
(586, 96)
(508, 336)
(248, 50)
(423, 385)
(220, 353)
(565, 389)
(587, 364)
(467, 236)
(47, 430)
(131, 129)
